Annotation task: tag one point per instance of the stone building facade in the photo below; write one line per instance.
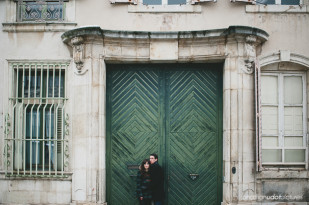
(218, 89)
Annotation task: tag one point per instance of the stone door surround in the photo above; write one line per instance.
(93, 48)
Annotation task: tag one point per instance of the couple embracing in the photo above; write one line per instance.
(150, 182)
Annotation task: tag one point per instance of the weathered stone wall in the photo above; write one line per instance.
(288, 29)
(34, 191)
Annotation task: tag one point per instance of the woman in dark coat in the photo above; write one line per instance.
(143, 183)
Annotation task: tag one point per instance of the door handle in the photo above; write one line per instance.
(194, 176)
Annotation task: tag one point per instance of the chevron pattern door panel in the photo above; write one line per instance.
(134, 128)
(193, 145)
(174, 110)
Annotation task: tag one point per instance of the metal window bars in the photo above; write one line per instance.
(36, 127)
(40, 10)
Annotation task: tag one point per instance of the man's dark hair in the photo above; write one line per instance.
(154, 155)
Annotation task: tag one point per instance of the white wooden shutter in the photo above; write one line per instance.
(246, 1)
(258, 115)
(19, 134)
(198, 1)
(124, 1)
(59, 127)
(59, 135)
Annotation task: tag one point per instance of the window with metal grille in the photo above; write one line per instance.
(37, 143)
(40, 10)
(283, 130)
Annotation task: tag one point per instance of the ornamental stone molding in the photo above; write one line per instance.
(250, 54)
(162, 47)
(284, 56)
(78, 54)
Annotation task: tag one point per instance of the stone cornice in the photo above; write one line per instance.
(174, 46)
(230, 31)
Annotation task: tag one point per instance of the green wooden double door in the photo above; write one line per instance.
(174, 110)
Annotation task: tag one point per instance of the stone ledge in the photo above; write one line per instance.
(277, 9)
(37, 27)
(164, 9)
(67, 176)
(283, 174)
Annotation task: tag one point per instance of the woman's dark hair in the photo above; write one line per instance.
(142, 168)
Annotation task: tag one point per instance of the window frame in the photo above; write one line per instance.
(21, 3)
(281, 135)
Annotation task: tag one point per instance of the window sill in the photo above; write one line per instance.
(38, 27)
(164, 9)
(67, 176)
(283, 174)
(277, 9)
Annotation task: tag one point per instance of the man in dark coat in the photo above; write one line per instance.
(157, 180)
